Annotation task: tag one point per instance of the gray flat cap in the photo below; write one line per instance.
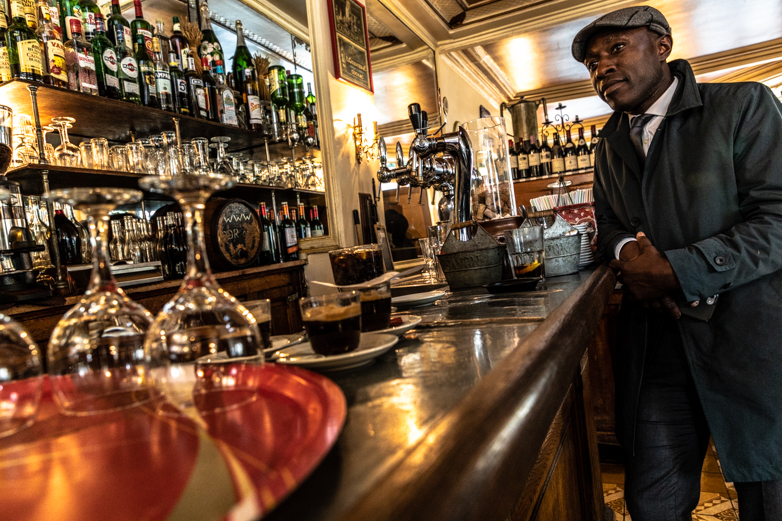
(627, 18)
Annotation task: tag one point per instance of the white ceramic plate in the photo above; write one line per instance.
(417, 299)
(372, 345)
(408, 323)
(280, 341)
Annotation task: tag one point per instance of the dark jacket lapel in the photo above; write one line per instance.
(617, 134)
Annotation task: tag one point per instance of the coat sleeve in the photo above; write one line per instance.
(751, 248)
(609, 229)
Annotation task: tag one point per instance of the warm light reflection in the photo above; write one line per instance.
(525, 74)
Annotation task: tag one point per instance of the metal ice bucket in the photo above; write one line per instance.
(562, 248)
(471, 263)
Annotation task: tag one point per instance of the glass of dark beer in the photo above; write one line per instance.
(333, 322)
(261, 310)
(375, 307)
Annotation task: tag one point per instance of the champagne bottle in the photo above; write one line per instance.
(25, 56)
(82, 75)
(246, 80)
(146, 69)
(210, 47)
(290, 244)
(128, 70)
(118, 27)
(582, 152)
(571, 160)
(106, 66)
(55, 72)
(142, 27)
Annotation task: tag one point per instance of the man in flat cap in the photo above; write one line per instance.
(688, 196)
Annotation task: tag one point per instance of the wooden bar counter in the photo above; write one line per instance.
(483, 412)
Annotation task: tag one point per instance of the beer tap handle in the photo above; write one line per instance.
(409, 193)
(379, 190)
(414, 111)
(434, 193)
(400, 156)
(424, 123)
(383, 152)
(397, 193)
(421, 195)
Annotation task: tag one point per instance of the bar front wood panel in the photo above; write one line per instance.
(601, 352)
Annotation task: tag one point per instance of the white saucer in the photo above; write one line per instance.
(372, 345)
(417, 299)
(280, 341)
(408, 323)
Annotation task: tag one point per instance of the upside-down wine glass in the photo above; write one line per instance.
(66, 153)
(96, 353)
(203, 337)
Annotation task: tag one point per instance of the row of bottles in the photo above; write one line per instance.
(527, 159)
(67, 44)
(281, 235)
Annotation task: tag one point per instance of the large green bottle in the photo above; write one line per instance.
(25, 56)
(117, 26)
(296, 101)
(106, 65)
(243, 60)
(128, 71)
(146, 71)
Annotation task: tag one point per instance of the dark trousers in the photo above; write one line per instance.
(663, 477)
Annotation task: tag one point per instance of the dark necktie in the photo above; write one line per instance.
(636, 136)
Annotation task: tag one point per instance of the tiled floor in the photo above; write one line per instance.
(717, 503)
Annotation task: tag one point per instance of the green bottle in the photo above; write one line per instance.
(89, 12)
(106, 65)
(69, 9)
(178, 86)
(117, 26)
(128, 72)
(141, 26)
(146, 70)
(296, 101)
(243, 60)
(278, 89)
(25, 56)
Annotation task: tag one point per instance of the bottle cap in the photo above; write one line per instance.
(176, 19)
(75, 25)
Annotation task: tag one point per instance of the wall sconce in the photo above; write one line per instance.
(365, 148)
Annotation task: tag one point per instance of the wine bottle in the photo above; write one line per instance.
(142, 27)
(296, 101)
(89, 10)
(523, 159)
(571, 160)
(303, 229)
(278, 90)
(146, 69)
(315, 224)
(312, 118)
(179, 86)
(5, 65)
(545, 156)
(210, 47)
(557, 156)
(118, 27)
(582, 152)
(69, 9)
(82, 74)
(514, 160)
(128, 70)
(165, 94)
(534, 157)
(593, 145)
(106, 66)
(210, 89)
(68, 240)
(179, 45)
(290, 247)
(269, 253)
(199, 102)
(55, 72)
(164, 42)
(25, 56)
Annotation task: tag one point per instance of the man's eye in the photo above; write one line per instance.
(592, 66)
(617, 47)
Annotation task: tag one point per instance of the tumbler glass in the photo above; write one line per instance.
(136, 159)
(118, 158)
(100, 153)
(201, 148)
(492, 194)
(526, 251)
(86, 155)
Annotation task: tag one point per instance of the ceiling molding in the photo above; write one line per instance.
(280, 18)
(416, 22)
(383, 61)
(492, 71)
(473, 76)
(742, 56)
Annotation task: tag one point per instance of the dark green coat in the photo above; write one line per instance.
(710, 198)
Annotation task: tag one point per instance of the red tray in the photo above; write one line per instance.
(137, 465)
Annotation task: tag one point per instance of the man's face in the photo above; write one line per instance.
(626, 66)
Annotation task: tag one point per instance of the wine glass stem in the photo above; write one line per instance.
(65, 139)
(101, 278)
(197, 262)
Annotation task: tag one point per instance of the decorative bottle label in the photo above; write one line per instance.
(229, 104)
(5, 66)
(55, 54)
(254, 106)
(583, 161)
(534, 158)
(30, 57)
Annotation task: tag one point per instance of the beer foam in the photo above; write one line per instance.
(374, 294)
(331, 313)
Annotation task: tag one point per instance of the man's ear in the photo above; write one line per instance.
(664, 46)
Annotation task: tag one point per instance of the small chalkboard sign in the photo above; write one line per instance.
(385, 246)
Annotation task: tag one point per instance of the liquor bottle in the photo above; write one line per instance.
(30, 14)
(141, 26)
(210, 88)
(68, 240)
(118, 27)
(278, 90)
(82, 75)
(545, 156)
(69, 9)
(179, 45)
(524, 171)
(106, 65)
(303, 227)
(593, 145)
(160, 245)
(55, 72)
(226, 104)
(290, 246)
(89, 10)
(210, 46)
(5, 66)
(252, 100)
(312, 118)
(514, 160)
(296, 101)
(165, 94)
(146, 70)
(163, 41)
(199, 101)
(582, 152)
(571, 160)
(534, 157)
(315, 225)
(179, 86)
(269, 252)
(557, 156)
(128, 71)
(25, 56)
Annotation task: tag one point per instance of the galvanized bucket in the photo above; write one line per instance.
(562, 243)
(473, 262)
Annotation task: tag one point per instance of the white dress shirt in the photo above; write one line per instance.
(659, 108)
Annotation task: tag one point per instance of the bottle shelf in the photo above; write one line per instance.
(556, 176)
(115, 120)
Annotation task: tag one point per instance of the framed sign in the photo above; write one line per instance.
(350, 42)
